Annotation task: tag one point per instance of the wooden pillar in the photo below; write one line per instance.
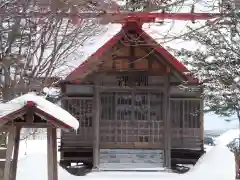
(15, 152)
(167, 121)
(52, 153)
(97, 106)
(10, 146)
(201, 118)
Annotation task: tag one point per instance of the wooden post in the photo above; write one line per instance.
(96, 127)
(52, 153)
(201, 119)
(15, 152)
(183, 124)
(167, 120)
(10, 145)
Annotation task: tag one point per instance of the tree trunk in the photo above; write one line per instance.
(8, 94)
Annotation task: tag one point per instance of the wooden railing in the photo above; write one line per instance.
(132, 133)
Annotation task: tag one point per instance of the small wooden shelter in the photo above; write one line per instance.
(19, 114)
(128, 99)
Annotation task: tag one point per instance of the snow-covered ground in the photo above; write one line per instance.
(227, 137)
(224, 139)
(218, 163)
(207, 147)
(33, 165)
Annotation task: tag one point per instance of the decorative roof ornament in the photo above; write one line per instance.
(110, 11)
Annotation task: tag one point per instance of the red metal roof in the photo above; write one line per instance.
(95, 59)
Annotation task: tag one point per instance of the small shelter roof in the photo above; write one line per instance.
(41, 107)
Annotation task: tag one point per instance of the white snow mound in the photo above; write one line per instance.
(227, 137)
(217, 164)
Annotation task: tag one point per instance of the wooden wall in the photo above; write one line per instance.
(127, 104)
(132, 117)
(82, 109)
(186, 123)
(131, 120)
(126, 58)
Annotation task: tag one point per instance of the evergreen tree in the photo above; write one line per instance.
(217, 63)
(150, 5)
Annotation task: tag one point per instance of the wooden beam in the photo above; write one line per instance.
(76, 98)
(52, 153)
(96, 127)
(54, 149)
(4, 128)
(10, 145)
(49, 159)
(167, 121)
(185, 98)
(114, 61)
(29, 115)
(27, 125)
(150, 64)
(175, 72)
(132, 59)
(118, 88)
(15, 153)
(126, 57)
(201, 119)
(10, 117)
(161, 59)
(132, 145)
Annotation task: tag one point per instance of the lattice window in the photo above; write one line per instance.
(108, 106)
(141, 106)
(192, 114)
(86, 122)
(185, 113)
(176, 111)
(81, 109)
(141, 80)
(156, 106)
(123, 81)
(123, 106)
(138, 117)
(143, 139)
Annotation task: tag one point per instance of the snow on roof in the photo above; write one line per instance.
(42, 104)
(52, 91)
(227, 137)
(217, 164)
(89, 65)
(6, 108)
(89, 47)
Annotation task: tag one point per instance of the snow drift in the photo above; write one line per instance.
(227, 137)
(217, 164)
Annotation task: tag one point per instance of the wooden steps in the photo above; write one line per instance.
(71, 155)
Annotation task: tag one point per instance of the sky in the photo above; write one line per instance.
(215, 122)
